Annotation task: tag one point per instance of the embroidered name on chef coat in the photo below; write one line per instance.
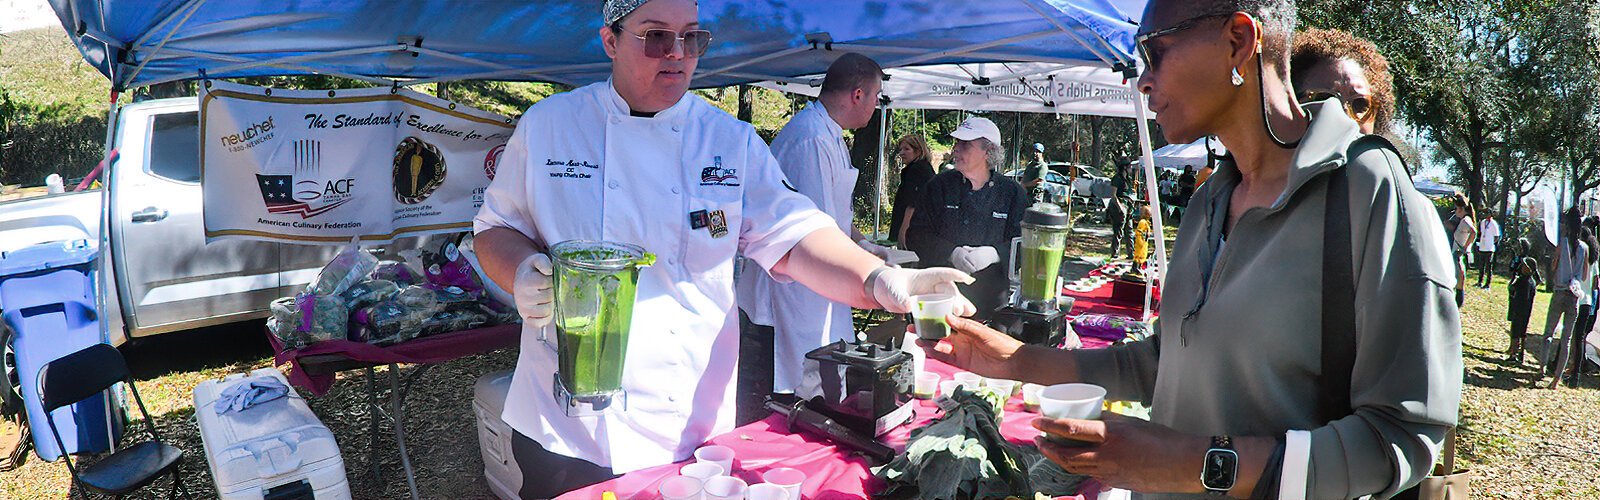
(571, 169)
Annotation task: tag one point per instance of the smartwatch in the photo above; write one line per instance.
(1221, 468)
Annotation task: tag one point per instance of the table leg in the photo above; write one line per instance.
(372, 429)
(397, 400)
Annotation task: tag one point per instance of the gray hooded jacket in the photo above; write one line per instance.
(1238, 352)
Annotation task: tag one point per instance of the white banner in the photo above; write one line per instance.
(325, 166)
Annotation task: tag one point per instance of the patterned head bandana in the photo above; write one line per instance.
(615, 10)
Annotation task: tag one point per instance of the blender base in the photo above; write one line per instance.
(588, 405)
(1031, 327)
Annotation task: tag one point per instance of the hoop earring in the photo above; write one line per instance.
(1238, 79)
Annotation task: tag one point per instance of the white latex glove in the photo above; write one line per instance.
(894, 287)
(973, 259)
(875, 249)
(534, 294)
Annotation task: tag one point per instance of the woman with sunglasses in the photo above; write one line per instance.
(1330, 63)
(1245, 401)
(638, 160)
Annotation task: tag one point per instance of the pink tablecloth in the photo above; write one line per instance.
(831, 472)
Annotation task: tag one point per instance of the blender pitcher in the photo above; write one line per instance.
(1043, 241)
(595, 282)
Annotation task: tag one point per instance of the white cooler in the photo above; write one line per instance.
(277, 450)
(494, 436)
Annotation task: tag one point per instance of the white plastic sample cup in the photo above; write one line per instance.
(926, 384)
(786, 478)
(725, 488)
(720, 455)
(680, 488)
(972, 381)
(766, 491)
(1002, 386)
(929, 313)
(948, 387)
(1079, 401)
(1030, 396)
(703, 470)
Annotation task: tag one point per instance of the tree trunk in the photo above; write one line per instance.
(1095, 124)
(747, 104)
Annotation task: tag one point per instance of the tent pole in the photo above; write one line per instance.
(877, 189)
(1147, 159)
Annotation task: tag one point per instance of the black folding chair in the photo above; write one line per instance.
(83, 374)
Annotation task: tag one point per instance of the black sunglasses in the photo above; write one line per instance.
(1357, 108)
(1152, 57)
(660, 42)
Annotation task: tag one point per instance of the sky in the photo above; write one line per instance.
(26, 14)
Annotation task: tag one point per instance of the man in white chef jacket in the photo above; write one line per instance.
(637, 160)
(812, 153)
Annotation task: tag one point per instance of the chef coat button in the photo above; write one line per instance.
(612, 184)
(672, 261)
(672, 399)
(677, 128)
(674, 190)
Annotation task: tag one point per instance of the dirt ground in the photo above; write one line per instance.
(1520, 442)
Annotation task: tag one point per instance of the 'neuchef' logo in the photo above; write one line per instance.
(292, 182)
(250, 133)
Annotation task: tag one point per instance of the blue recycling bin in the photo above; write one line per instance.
(47, 298)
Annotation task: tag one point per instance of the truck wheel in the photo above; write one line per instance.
(10, 381)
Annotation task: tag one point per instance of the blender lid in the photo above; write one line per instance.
(601, 255)
(1045, 214)
(863, 354)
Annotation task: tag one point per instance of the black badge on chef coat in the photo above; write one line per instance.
(719, 224)
(698, 219)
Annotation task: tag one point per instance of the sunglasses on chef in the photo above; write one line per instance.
(658, 42)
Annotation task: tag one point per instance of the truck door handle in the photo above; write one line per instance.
(150, 214)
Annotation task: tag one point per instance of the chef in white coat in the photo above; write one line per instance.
(637, 160)
(811, 151)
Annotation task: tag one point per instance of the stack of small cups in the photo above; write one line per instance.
(709, 477)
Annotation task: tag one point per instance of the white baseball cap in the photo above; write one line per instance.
(975, 127)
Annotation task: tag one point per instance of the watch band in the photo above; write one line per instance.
(1221, 455)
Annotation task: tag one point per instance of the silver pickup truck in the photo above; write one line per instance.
(159, 274)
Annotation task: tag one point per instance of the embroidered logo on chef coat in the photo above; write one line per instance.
(716, 175)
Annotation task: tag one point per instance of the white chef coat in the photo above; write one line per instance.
(1487, 234)
(812, 153)
(580, 166)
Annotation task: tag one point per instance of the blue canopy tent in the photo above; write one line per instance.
(137, 43)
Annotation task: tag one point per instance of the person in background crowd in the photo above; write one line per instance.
(1488, 238)
(969, 215)
(1462, 237)
(1116, 215)
(811, 152)
(1567, 272)
(1186, 185)
(917, 170)
(1333, 63)
(1033, 176)
(1524, 286)
(1586, 307)
(1235, 373)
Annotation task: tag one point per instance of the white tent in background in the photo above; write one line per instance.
(1032, 87)
(1178, 156)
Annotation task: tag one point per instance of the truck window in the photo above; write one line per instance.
(175, 146)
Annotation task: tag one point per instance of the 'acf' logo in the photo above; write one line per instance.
(292, 181)
(491, 161)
